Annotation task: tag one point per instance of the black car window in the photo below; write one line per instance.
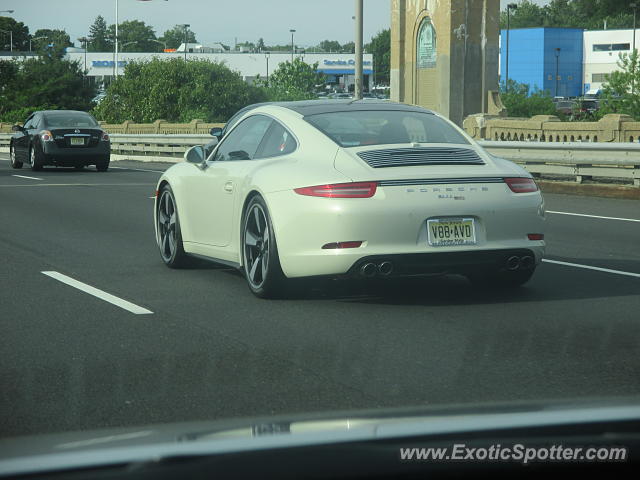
(278, 141)
(70, 120)
(243, 141)
(30, 121)
(37, 121)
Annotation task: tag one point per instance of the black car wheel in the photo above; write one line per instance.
(169, 236)
(260, 252)
(35, 158)
(102, 165)
(14, 162)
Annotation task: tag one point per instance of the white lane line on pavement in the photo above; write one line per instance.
(81, 185)
(137, 169)
(24, 176)
(594, 216)
(589, 267)
(107, 297)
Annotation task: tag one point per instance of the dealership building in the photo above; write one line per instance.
(338, 68)
(566, 62)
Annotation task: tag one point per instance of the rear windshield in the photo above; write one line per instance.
(383, 127)
(70, 120)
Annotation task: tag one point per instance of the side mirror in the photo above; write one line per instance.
(17, 128)
(195, 154)
(216, 132)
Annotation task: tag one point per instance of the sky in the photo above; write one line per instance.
(212, 20)
(215, 20)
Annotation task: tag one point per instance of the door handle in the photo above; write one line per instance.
(228, 187)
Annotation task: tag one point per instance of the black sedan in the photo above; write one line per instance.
(65, 138)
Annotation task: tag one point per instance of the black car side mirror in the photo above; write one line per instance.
(17, 128)
(216, 132)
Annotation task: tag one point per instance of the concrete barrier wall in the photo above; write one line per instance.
(549, 128)
(157, 127)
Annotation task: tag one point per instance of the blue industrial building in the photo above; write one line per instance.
(545, 58)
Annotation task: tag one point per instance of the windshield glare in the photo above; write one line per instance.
(361, 128)
(70, 120)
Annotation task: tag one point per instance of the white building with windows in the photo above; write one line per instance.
(602, 49)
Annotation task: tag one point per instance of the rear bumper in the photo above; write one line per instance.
(54, 155)
(448, 262)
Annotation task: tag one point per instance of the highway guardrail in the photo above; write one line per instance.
(617, 162)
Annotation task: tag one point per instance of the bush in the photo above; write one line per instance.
(176, 91)
(293, 81)
(519, 102)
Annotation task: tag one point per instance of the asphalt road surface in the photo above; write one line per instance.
(210, 349)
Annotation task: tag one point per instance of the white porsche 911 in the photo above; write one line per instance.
(349, 188)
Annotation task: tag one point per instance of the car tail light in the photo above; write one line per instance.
(340, 190)
(105, 137)
(46, 136)
(535, 236)
(333, 245)
(521, 184)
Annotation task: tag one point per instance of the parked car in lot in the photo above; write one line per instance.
(65, 138)
(343, 188)
(565, 106)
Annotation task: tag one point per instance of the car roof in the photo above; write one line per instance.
(314, 107)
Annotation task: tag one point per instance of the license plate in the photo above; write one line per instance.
(451, 231)
(77, 141)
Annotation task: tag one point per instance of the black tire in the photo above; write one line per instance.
(102, 166)
(35, 158)
(264, 275)
(502, 279)
(168, 234)
(12, 155)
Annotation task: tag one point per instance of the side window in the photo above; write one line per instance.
(242, 143)
(29, 123)
(37, 121)
(278, 141)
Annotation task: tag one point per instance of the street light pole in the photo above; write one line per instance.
(292, 46)
(557, 63)
(36, 38)
(185, 26)
(358, 51)
(633, 51)
(266, 55)
(115, 61)
(509, 7)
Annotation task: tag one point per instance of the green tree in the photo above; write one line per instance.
(99, 40)
(349, 47)
(260, 45)
(294, 81)
(56, 39)
(135, 36)
(621, 92)
(176, 91)
(330, 46)
(44, 82)
(19, 31)
(520, 102)
(380, 47)
(175, 36)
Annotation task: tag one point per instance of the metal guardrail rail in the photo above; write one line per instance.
(578, 160)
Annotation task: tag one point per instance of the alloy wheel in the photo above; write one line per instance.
(166, 218)
(256, 245)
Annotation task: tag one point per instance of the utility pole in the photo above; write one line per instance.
(115, 61)
(185, 26)
(292, 45)
(633, 51)
(509, 7)
(358, 45)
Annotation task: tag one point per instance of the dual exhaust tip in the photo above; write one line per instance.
(514, 263)
(371, 269)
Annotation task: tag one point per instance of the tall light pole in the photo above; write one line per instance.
(266, 55)
(10, 32)
(634, 5)
(185, 26)
(292, 47)
(7, 11)
(557, 63)
(358, 50)
(84, 40)
(158, 41)
(510, 6)
(115, 59)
